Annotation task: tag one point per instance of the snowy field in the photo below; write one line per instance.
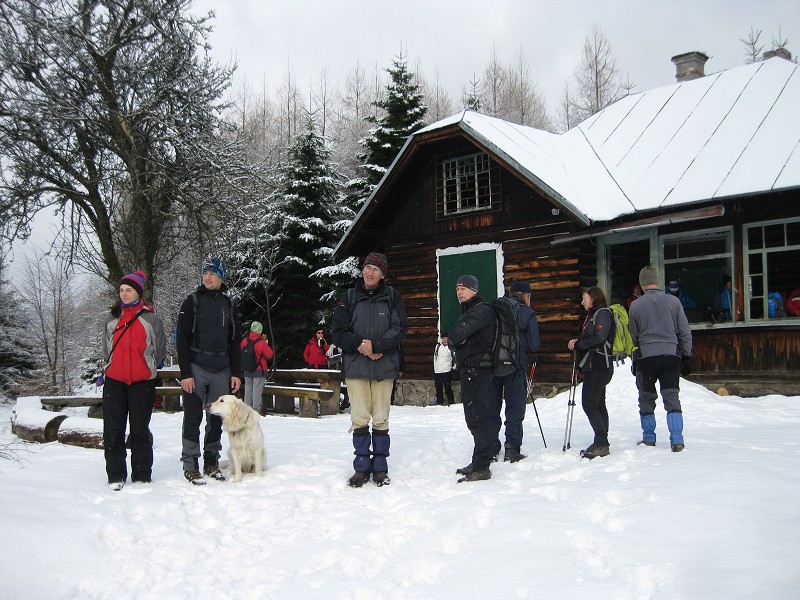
(719, 520)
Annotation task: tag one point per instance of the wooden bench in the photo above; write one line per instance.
(317, 390)
(56, 403)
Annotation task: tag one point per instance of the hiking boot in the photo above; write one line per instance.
(116, 485)
(594, 451)
(381, 479)
(677, 447)
(194, 477)
(481, 475)
(465, 470)
(513, 455)
(214, 472)
(358, 479)
(643, 443)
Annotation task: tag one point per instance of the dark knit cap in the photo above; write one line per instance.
(523, 287)
(468, 281)
(136, 280)
(377, 259)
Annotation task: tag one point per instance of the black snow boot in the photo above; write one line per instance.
(477, 475)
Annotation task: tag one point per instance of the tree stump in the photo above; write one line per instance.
(81, 431)
(37, 425)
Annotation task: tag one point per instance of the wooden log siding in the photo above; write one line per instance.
(749, 350)
(554, 273)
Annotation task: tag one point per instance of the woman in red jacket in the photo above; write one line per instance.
(314, 354)
(133, 347)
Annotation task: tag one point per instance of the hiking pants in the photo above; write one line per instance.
(122, 402)
(593, 400)
(208, 386)
(667, 371)
(475, 398)
(515, 389)
(443, 387)
(253, 391)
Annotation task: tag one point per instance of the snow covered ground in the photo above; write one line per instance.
(719, 520)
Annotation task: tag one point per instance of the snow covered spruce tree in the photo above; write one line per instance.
(293, 242)
(404, 112)
(110, 112)
(17, 348)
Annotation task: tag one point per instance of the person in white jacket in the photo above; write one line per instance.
(442, 371)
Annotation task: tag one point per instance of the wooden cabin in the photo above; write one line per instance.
(700, 178)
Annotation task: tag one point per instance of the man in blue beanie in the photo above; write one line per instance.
(207, 340)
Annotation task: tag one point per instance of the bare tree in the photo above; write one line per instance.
(752, 48)
(109, 111)
(440, 105)
(494, 83)
(597, 77)
(567, 111)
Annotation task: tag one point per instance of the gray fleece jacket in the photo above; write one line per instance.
(659, 326)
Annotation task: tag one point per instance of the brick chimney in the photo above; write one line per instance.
(782, 52)
(689, 66)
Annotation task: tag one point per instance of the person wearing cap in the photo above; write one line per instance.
(443, 371)
(133, 346)
(254, 380)
(659, 328)
(209, 355)
(687, 301)
(514, 387)
(369, 323)
(473, 339)
(315, 353)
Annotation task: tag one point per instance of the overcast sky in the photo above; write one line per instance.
(455, 37)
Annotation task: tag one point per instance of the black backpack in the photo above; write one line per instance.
(249, 362)
(504, 357)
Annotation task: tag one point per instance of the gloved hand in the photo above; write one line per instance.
(633, 367)
(686, 365)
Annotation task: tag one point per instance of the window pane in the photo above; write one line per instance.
(757, 308)
(755, 239)
(757, 286)
(754, 264)
(773, 236)
(670, 251)
(793, 233)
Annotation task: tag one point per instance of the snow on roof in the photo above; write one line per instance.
(731, 133)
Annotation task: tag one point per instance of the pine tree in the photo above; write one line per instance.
(294, 242)
(17, 351)
(404, 110)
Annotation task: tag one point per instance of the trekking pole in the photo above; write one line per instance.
(570, 404)
(530, 386)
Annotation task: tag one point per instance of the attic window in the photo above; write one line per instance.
(466, 184)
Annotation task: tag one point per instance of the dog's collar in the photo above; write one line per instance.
(244, 425)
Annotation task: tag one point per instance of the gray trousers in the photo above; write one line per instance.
(208, 386)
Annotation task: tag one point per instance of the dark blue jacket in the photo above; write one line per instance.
(595, 332)
(529, 339)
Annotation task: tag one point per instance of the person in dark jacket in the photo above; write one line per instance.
(596, 365)
(473, 339)
(209, 356)
(316, 349)
(369, 323)
(133, 347)
(514, 387)
(661, 331)
(254, 380)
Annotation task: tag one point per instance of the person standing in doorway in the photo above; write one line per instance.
(443, 372)
(315, 353)
(209, 356)
(514, 386)
(133, 347)
(473, 339)
(659, 328)
(369, 323)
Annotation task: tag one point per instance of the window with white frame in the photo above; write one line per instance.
(467, 183)
(701, 262)
(771, 268)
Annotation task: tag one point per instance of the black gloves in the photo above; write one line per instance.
(686, 365)
(633, 367)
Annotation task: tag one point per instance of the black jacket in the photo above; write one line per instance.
(593, 337)
(214, 344)
(472, 339)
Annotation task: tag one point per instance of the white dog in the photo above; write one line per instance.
(246, 440)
